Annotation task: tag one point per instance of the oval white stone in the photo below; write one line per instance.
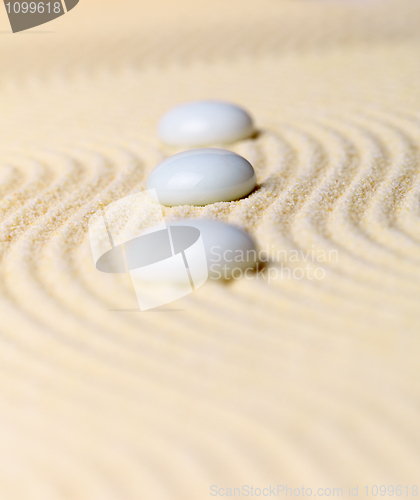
(202, 176)
(227, 247)
(202, 123)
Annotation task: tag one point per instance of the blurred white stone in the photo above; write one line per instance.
(202, 123)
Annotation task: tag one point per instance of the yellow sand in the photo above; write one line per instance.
(297, 382)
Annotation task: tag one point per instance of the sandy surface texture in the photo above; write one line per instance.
(309, 380)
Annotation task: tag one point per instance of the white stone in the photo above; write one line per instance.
(231, 252)
(202, 176)
(202, 123)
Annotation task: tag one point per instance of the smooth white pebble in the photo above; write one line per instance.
(202, 176)
(203, 123)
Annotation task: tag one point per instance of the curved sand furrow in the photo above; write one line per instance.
(329, 193)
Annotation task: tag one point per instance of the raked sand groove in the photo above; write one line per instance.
(288, 381)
